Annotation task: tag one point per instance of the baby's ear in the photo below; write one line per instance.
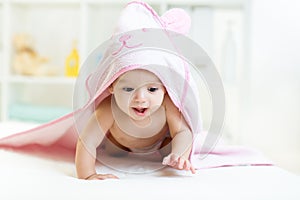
(165, 90)
(111, 89)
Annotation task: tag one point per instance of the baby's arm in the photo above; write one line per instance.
(182, 139)
(90, 139)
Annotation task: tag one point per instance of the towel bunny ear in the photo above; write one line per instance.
(177, 20)
(138, 15)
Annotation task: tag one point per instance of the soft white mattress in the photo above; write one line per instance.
(24, 176)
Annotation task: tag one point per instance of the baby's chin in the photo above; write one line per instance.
(141, 122)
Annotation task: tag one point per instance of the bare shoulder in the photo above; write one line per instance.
(104, 106)
(103, 112)
(169, 105)
(172, 112)
(175, 119)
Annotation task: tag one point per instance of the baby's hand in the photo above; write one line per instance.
(178, 162)
(101, 177)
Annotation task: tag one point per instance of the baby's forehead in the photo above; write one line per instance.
(138, 76)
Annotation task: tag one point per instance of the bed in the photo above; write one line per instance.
(27, 176)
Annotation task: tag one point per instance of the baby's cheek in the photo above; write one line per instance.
(123, 104)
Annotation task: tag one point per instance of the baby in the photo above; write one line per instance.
(138, 116)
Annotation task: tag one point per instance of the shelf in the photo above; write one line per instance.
(36, 113)
(42, 80)
(40, 94)
(58, 2)
(52, 28)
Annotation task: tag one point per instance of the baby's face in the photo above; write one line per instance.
(138, 93)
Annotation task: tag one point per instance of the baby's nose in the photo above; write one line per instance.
(140, 95)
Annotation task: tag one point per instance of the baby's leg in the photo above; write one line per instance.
(114, 148)
(165, 147)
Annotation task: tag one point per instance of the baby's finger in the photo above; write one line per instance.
(193, 170)
(187, 165)
(106, 176)
(181, 162)
(111, 176)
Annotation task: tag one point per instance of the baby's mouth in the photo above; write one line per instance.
(140, 111)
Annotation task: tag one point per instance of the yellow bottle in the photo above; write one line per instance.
(72, 62)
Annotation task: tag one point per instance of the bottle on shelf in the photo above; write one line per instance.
(72, 62)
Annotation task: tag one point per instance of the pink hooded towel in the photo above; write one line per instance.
(142, 40)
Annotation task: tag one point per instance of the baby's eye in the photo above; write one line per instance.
(152, 89)
(128, 89)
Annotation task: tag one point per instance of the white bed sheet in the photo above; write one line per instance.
(24, 176)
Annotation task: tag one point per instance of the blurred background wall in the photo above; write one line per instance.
(273, 123)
